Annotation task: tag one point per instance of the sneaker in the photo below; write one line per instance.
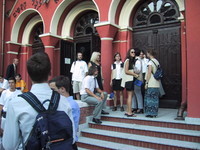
(104, 112)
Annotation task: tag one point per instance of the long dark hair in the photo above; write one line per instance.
(128, 56)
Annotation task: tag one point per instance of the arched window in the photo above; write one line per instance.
(155, 12)
(85, 25)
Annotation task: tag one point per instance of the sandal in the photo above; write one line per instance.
(179, 118)
(132, 115)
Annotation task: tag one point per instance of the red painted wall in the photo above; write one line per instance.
(193, 53)
(1, 12)
(103, 8)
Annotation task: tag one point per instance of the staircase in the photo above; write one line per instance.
(118, 132)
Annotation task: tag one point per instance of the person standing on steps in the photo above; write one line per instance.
(79, 70)
(128, 76)
(151, 99)
(116, 78)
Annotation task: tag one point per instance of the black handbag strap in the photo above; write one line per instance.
(37, 105)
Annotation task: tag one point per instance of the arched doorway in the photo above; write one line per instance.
(37, 45)
(86, 40)
(156, 26)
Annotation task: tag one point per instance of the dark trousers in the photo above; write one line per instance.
(75, 146)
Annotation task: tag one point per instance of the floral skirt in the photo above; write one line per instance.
(151, 101)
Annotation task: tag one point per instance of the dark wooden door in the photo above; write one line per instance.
(165, 40)
(87, 45)
(66, 59)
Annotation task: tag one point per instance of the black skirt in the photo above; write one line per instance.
(129, 86)
(116, 85)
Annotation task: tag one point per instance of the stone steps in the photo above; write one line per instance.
(95, 144)
(118, 132)
(162, 132)
(138, 140)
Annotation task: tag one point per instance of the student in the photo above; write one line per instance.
(151, 99)
(137, 101)
(95, 61)
(128, 76)
(3, 84)
(20, 84)
(116, 78)
(21, 115)
(6, 97)
(63, 84)
(78, 69)
(92, 94)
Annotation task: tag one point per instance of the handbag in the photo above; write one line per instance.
(138, 82)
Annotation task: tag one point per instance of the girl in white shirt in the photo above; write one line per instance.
(116, 78)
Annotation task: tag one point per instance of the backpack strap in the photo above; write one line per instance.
(33, 101)
(155, 65)
(55, 98)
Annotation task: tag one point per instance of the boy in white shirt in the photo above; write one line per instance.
(20, 115)
(6, 97)
(3, 84)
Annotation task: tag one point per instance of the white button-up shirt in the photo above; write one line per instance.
(7, 96)
(89, 82)
(78, 70)
(21, 116)
(118, 70)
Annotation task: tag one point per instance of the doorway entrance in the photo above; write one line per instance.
(156, 27)
(37, 45)
(86, 40)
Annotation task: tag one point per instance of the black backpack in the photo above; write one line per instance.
(159, 72)
(52, 129)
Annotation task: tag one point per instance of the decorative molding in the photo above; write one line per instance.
(125, 29)
(124, 41)
(23, 53)
(105, 23)
(57, 36)
(107, 38)
(50, 34)
(11, 42)
(49, 46)
(11, 52)
(56, 49)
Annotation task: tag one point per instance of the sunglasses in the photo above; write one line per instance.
(132, 52)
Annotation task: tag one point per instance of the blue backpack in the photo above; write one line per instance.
(159, 72)
(52, 129)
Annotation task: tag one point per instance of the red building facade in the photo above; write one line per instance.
(61, 28)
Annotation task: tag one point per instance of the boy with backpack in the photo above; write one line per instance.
(62, 84)
(21, 114)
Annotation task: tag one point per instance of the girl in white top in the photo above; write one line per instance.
(128, 76)
(116, 78)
